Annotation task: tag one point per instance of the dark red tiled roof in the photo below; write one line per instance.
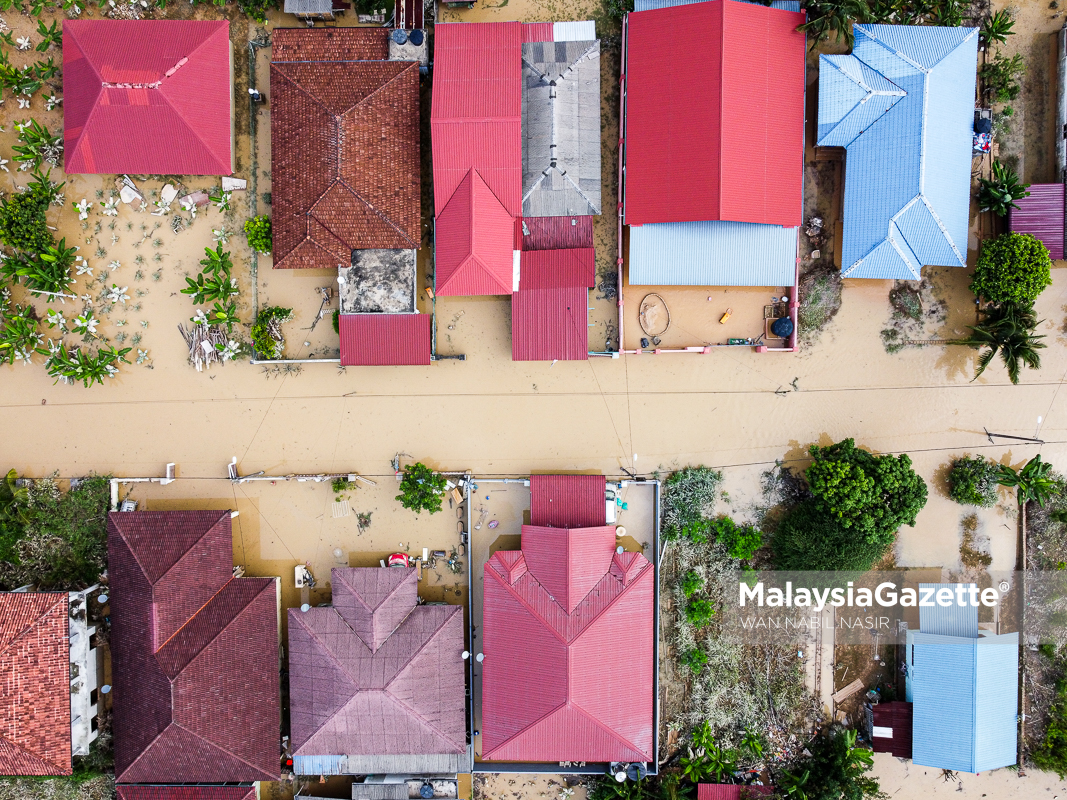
(555, 684)
(344, 146)
(376, 674)
(567, 501)
(34, 684)
(194, 653)
(381, 340)
(898, 717)
(553, 233)
(187, 792)
(147, 97)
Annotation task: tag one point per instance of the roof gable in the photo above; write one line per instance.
(189, 637)
(147, 96)
(34, 684)
(376, 674)
(903, 105)
(568, 563)
(474, 242)
(686, 160)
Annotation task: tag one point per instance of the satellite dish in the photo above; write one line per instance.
(620, 531)
(102, 599)
(338, 552)
(619, 549)
(105, 689)
(620, 776)
(305, 607)
(466, 654)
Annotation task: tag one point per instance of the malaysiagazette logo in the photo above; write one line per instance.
(885, 595)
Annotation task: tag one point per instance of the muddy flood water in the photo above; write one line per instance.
(732, 409)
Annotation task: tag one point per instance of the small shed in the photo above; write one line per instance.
(891, 730)
(1041, 214)
(316, 9)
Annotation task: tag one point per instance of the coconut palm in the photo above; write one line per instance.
(997, 28)
(999, 192)
(834, 18)
(1008, 329)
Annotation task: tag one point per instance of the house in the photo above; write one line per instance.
(963, 684)
(48, 681)
(902, 105)
(187, 792)
(713, 197)
(147, 97)
(195, 657)
(516, 146)
(346, 185)
(557, 684)
(376, 681)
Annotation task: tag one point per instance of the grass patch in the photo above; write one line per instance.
(820, 300)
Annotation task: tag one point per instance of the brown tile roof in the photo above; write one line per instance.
(34, 684)
(376, 674)
(344, 146)
(194, 653)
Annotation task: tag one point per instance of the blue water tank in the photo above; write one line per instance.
(400, 36)
(415, 37)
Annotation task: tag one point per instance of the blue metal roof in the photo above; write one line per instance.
(648, 5)
(712, 254)
(903, 105)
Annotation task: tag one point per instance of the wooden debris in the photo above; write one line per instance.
(848, 691)
(202, 341)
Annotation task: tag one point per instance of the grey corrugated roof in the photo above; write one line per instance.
(308, 6)
(712, 254)
(952, 620)
(561, 128)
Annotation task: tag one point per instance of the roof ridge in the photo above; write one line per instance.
(33, 622)
(611, 731)
(625, 588)
(421, 647)
(414, 714)
(233, 619)
(326, 648)
(542, 718)
(533, 612)
(220, 747)
(340, 179)
(393, 78)
(306, 93)
(199, 538)
(62, 769)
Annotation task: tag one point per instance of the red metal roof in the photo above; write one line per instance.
(550, 324)
(898, 717)
(555, 684)
(34, 684)
(724, 791)
(476, 131)
(408, 14)
(557, 269)
(186, 792)
(553, 233)
(567, 501)
(687, 160)
(377, 674)
(538, 32)
(473, 240)
(382, 340)
(1042, 215)
(194, 653)
(147, 97)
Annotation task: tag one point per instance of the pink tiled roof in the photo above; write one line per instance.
(147, 97)
(34, 684)
(194, 653)
(724, 791)
(563, 501)
(556, 686)
(476, 129)
(376, 674)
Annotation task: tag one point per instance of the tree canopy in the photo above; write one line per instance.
(1012, 268)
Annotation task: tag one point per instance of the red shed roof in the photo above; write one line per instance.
(344, 146)
(554, 688)
(34, 684)
(725, 791)
(476, 130)
(567, 501)
(1042, 215)
(894, 718)
(186, 792)
(383, 340)
(553, 233)
(147, 97)
(195, 653)
(550, 324)
(377, 674)
(688, 158)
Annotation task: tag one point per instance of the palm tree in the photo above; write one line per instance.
(999, 192)
(833, 17)
(1008, 329)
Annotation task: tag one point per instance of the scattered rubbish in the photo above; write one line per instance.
(654, 316)
(483, 513)
(194, 199)
(493, 523)
(168, 193)
(726, 316)
(130, 195)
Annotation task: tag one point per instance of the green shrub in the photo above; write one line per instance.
(1012, 268)
(22, 222)
(258, 231)
(972, 481)
(691, 583)
(999, 192)
(808, 539)
(871, 495)
(688, 494)
(1051, 755)
(421, 489)
(740, 541)
(694, 660)
(1000, 77)
(267, 338)
(699, 612)
(831, 767)
(336, 317)
(44, 271)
